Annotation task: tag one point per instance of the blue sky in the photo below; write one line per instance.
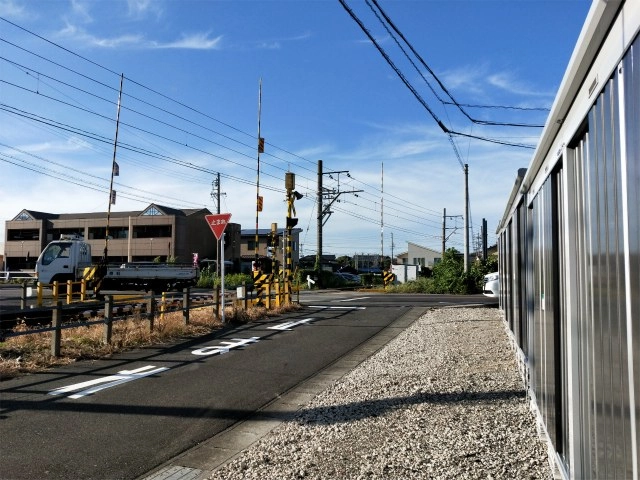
(192, 70)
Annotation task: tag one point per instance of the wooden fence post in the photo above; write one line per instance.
(151, 311)
(108, 319)
(186, 299)
(56, 320)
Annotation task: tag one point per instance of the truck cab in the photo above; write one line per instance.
(62, 259)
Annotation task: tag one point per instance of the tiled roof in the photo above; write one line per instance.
(73, 216)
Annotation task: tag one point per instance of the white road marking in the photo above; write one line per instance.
(92, 386)
(123, 376)
(226, 346)
(290, 325)
(351, 299)
(337, 308)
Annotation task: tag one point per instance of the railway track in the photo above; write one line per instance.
(124, 305)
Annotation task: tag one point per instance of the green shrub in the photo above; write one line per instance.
(209, 279)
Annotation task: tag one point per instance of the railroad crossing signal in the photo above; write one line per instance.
(217, 223)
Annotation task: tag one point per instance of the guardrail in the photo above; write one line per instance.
(7, 275)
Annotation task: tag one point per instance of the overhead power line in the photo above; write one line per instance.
(424, 64)
(421, 100)
(99, 141)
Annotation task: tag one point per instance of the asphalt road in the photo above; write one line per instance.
(125, 416)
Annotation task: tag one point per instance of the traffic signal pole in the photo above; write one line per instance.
(290, 185)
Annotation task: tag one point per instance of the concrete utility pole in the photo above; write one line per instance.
(444, 231)
(466, 218)
(382, 217)
(325, 211)
(319, 219)
(392, 247)
(484, 238)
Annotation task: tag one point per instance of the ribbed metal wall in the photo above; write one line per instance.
(570, 263)
(631, 76)
(606, 418)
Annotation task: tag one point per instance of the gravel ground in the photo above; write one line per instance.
(443, 400)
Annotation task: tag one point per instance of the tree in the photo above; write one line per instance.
(344, 261)
(449, 275)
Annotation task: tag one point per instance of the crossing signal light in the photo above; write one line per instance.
(292, 222)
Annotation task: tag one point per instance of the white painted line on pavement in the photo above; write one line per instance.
(337, 308)
(351, 299)
(290, 325)
(226, 346)
(123, 376)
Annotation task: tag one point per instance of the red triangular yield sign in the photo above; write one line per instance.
(217, 223)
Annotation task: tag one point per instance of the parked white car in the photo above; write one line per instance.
(491, 286)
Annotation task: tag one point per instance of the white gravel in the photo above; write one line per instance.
(443, 400)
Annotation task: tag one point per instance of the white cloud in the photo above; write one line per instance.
(10, 9)
(505, 81)
(81, 37)
(141, 8)
(194, 41)
(80, 11)
(480, 79)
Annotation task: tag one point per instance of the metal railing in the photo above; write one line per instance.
(7, 275)
(118, 307)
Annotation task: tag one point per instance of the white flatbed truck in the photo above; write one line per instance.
(70, 259)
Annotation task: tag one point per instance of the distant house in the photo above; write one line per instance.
(328, 262)
(419, 255)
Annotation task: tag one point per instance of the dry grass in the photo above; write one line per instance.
(31, 353)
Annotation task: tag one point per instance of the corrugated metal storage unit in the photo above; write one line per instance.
(569, 245)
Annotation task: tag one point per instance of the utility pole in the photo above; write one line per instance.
(392, 246)
(444, 232)
(258, 197)
(325, 211)
(484, 239)
(382, 217)
(466, 218)
(319, 223)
